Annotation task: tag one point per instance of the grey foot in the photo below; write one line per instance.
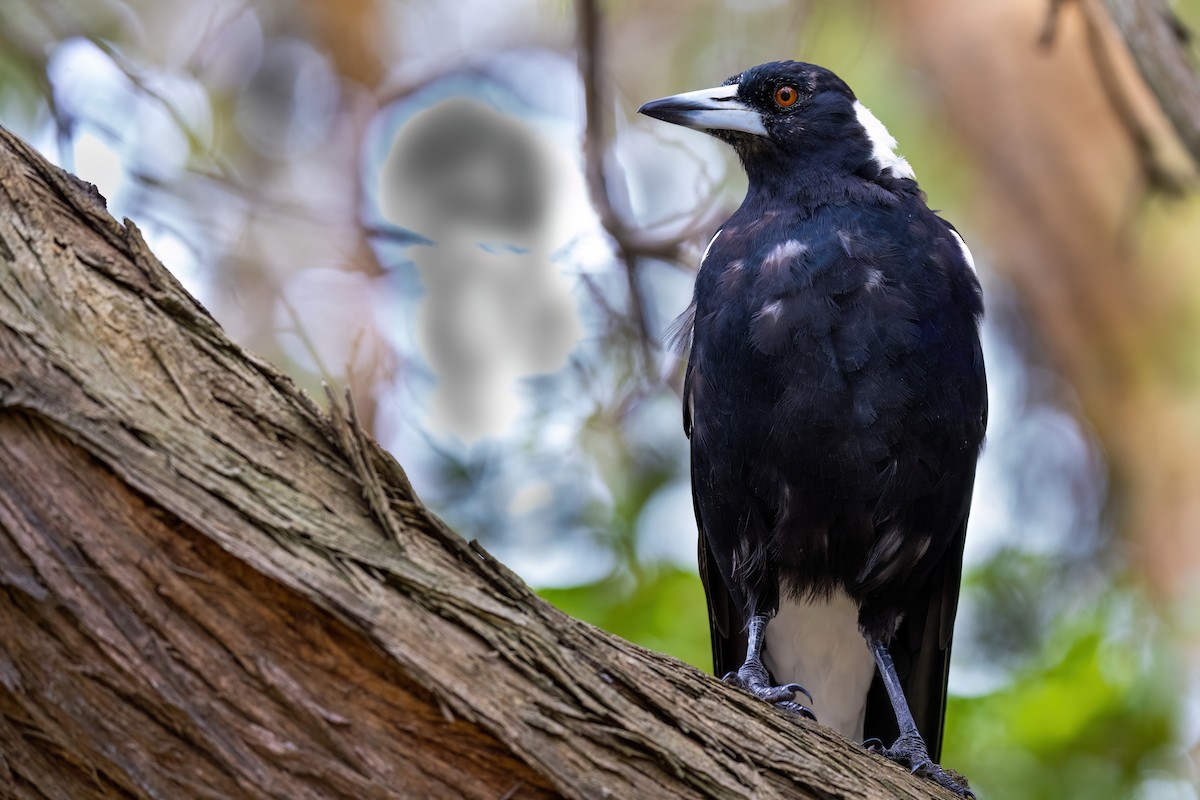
(753, 678)
(911, 752)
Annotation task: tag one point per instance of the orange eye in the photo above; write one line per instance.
(786, 96)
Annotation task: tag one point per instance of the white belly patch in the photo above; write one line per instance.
(817, 644)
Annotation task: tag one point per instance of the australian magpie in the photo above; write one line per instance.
(836, 403)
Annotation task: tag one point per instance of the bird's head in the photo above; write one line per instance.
(788, 115)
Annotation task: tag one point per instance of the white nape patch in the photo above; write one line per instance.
(966, 253)
(874, 280)
(883, 144)
(711, 242)
(817, 644)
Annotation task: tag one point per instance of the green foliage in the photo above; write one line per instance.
(662, 609)
(1092, 717)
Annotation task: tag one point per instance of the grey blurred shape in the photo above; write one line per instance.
(479, 184)
(287, 105)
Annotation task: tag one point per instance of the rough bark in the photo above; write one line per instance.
(211, 588)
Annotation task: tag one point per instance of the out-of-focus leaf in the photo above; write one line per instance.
(664, 609)
(1093, 721)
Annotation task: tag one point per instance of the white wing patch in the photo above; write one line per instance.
(883, 144)
(966, 253)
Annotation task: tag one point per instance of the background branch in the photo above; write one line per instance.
(631, 243)
(1161, 47)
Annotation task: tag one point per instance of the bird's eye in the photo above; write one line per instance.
(786, 96)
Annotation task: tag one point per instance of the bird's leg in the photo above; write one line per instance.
(754, 678)
(909, 748)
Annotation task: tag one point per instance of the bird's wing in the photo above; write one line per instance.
(725, 623)
(921, 646)
(921, 651)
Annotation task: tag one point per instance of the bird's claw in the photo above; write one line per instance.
(913, 754)
(917, 768)
(797, 709)
(795, 687)
(754, 679)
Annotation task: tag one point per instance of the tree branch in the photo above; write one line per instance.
(631, 244)
(212, 589)
(1160, 47)
(1166, 165)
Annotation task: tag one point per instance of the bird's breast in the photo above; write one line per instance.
(832, 353)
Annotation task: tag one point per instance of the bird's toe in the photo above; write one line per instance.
(778, 694)
(952, 781)
(791, 707)
(921, 767)
(754, 679)
(798, 689)
(913, 754)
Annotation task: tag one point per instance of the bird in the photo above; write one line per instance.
(835, 400)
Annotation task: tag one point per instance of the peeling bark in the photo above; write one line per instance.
(211, 588)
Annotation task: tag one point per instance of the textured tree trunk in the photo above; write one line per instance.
(209, 588)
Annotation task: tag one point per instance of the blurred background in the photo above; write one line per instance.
(452, 208)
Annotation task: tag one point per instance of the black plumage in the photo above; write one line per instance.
(835, 399)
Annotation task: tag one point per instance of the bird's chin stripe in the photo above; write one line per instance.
(883, 144)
